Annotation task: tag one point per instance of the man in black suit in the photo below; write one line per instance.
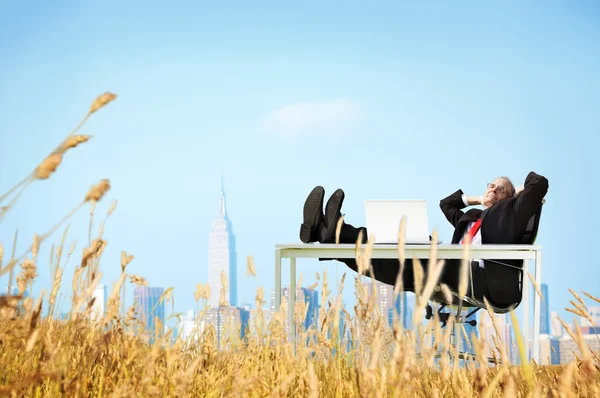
(503, 221)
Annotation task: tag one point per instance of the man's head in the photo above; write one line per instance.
(499, 189)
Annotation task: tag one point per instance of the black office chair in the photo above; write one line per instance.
(459, 303)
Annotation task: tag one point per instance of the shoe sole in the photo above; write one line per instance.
(313, 215)
(332, 209)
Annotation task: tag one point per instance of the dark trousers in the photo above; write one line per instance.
(386, 270)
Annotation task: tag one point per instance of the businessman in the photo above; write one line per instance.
(502, 221)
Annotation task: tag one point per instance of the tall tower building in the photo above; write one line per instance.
(151, 311)
(222, 256)
(545, 311)
(402, 311)
(385, 295)
(99, 306)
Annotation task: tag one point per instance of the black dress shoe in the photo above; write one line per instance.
(332, 215)
(313, 215)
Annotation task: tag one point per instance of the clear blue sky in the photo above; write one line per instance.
(385, 101)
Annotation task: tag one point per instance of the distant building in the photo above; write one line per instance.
(150, 311)
(498, 337)
(310, 298)
(549, 350)
(191, 327)
(99, 306)
(222, 257)
(590, 330)
(253, 322)
(569, 349)
(228, 323)
(385, 296)
(593, 326)
(14, 291)
(402, 311)
(11, 291)
(545, 311)
(556, 329)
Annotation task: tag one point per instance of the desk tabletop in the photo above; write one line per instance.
(440, 247)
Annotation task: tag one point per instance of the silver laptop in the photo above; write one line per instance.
(383, 220)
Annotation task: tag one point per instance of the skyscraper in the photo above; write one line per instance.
(385, 295)
(545, 312)
(401, 311)
(99, 306)
(150, 311)
(311, 298)
(222, 256)
(228, 323)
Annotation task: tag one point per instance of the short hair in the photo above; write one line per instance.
(512, 187)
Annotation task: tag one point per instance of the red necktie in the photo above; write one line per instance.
(472, 231)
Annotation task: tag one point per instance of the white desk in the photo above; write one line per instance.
(506, 252)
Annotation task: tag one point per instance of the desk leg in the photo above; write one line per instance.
(292, 300)
(277, 279)
(526, 305)
(536, 308)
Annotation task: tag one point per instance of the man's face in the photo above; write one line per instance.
(497, 190)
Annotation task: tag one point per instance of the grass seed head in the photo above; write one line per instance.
(138, 280)
(94, 250)
(29, 269)
(250, 268)
(101, 101)
(48, 166)
(97, 191)
(112, 208)
(72, 141)
(259, 297)
(202, 291)
(125, 260)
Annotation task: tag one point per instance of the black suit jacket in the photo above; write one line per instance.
(503, 223)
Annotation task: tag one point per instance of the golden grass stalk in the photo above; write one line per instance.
(250, 267)
(338, 229)
(224, 287)
(491, 387)
(577, 297)
(596, 299)
(525, 366)
(433, 277)
(95, 193)
(49, 165)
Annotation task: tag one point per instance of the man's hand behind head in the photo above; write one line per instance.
(519, 189)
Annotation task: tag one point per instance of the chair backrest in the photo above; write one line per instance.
(532, 227)
(528, 238)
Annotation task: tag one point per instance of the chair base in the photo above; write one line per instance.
(464, 356)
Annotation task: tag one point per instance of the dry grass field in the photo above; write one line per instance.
(43, 356)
